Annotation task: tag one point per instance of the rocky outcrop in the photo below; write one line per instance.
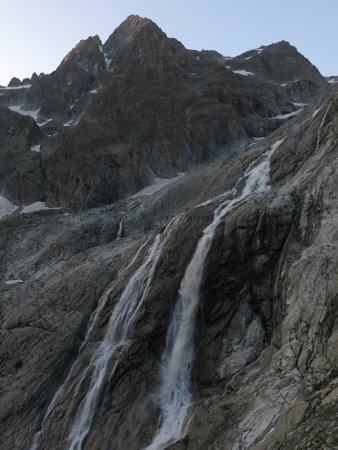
(119, 40)
(76, 75)
(14, 82)
(21, 176)
(279, 62)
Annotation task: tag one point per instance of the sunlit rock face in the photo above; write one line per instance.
(168, 249)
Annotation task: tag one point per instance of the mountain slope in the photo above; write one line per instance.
(198, 313)
(102, 119)
(279, 62)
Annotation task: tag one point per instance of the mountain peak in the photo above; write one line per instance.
(14, 82)
(124, 34)
(280, 62)
(136, 21)
(87, 51)
(282, 43)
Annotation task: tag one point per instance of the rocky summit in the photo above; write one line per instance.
(169, 250)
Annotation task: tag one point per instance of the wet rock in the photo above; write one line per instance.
(264, 371)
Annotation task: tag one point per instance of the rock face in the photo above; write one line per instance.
(77, 75)
(119, 40)
(18, 135)
(199, 313)
(14, 82)
(280, 62)
(113, 107)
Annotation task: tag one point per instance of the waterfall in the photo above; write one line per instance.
(116, 335)
(175, 398)
(120, 230)
(117, 332)
(92, 323)
(321, 126)
(174, 395)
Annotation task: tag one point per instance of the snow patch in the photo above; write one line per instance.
(36, 148)
(71, 123)
(9, 282)
(6, 207)
(286, 116)
(108, 61)
(243, 72)
(14, 88)
(42, 124)
(159, 184)
(300, 105)
(291, 82)
(23, 112)
(332, 81)
(316, 112)
(37, 206)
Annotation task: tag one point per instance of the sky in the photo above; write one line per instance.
(36, 35)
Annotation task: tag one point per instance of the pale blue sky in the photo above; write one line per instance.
(36, 35)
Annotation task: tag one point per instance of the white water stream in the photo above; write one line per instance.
(175, 398)
(116, 335)
(120, 230)
(93, 321)
(119, 326)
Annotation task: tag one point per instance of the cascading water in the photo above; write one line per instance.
(120, 230)
(175, 392)
(175, 396)
(116, 335)
(93, 321)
